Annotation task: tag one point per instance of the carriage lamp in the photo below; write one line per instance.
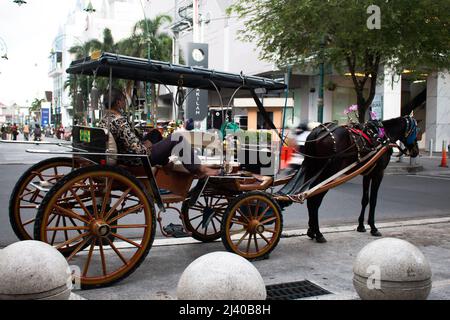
(90, 8)
(19, 2)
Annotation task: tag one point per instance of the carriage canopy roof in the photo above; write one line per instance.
(132, 68)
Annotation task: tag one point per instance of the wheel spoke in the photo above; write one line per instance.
(72, 240)
(263, 213)
(239, 222)
(214, 226)
(94, 200)
(256, 242)
(54, 232)
(243, 215)
(129, 210)
(262, 236)
(89, 257)
(81, 203)
(111, 244)
(65, 228)
(242, 238)
(102, 256)
(126, 240)
(114, 207)
(196, 217)
(268, 220)
(28, 222)
(74, 224)
(78, 248)
(248, 244)
(107, 195)
(69, 213)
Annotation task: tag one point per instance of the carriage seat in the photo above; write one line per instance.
(95, 140)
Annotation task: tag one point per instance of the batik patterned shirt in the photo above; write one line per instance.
(127, 141)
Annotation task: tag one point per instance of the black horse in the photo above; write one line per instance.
(330, 148)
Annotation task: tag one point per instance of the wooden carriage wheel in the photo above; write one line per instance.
(204, 218)
(26, 197)
(113, 223)
(252, 225)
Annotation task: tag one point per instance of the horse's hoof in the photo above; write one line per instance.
(375, 233)
(310, 234)
(320, 239)
(361, 229)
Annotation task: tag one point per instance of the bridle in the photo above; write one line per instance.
(410, 134)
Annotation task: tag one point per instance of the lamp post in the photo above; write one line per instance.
(148, 85)
(321, 82)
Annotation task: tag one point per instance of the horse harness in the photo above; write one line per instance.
(367, 137)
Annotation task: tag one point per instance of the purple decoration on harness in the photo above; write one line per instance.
(381, 132)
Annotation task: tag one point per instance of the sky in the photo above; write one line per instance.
(28, 32)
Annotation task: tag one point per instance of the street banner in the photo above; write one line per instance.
(197, 101)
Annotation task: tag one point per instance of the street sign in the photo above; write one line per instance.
(45, 116)
(197, 101)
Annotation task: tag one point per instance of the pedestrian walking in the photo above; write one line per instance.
(3, 131)
(26, 131)
(14, 131)
(37, 132)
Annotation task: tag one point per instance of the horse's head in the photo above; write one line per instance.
(409, 138)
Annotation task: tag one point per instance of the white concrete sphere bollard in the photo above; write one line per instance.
(33, 270)
(391, 269)
(221, 276)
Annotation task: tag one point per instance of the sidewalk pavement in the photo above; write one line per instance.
(295, 258)
(424, 165)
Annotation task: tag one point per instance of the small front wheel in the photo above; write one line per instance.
(252, 225)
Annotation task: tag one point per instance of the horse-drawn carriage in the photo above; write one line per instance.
(102, 216)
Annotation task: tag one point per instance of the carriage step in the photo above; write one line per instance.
(43, 186)
(176, 231)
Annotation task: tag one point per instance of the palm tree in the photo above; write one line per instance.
(148, 31)
(147, 34)
(36, 106)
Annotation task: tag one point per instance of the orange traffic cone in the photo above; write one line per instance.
(444, 157)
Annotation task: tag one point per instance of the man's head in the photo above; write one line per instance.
(118, 100)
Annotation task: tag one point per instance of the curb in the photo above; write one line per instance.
(297, 232)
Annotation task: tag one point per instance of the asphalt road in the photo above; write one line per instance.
(400, 198)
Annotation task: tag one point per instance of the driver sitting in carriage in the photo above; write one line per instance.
(129, 143)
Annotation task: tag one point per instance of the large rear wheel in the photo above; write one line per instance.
(112, 223)
(29, 191)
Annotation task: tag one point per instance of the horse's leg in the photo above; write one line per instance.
(364, 203)
(313, 205)
(376, 181)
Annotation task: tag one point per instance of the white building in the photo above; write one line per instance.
(430, 99)
(80, 26)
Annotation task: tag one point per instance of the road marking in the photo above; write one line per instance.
(429, 177)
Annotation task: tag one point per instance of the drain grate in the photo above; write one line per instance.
(294, 290)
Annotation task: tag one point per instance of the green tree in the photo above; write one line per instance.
(147, 33)
(414, 34)
(36, 106)
(160, 42)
